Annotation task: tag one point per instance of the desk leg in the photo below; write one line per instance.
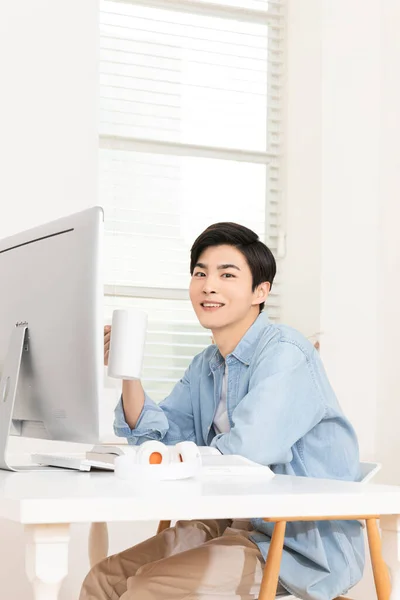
(390, 528)
(98, 543)
(46, 558)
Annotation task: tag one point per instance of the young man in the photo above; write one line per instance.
(260, 391)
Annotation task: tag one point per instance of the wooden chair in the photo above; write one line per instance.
(272, 566)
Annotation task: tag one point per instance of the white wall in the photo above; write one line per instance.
(388, 282)
(48, 110)
(350, 208)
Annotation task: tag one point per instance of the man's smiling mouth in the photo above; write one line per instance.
(209, 306)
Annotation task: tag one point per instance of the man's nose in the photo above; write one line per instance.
(209, 286)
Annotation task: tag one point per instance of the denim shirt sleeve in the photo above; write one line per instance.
(283, 403)
(171, 421)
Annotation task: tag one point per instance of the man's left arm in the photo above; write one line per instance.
(283, 403)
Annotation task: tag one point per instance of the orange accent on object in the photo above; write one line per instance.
(180, 458)
(155, 458)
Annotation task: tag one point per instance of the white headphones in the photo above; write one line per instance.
(155, 461)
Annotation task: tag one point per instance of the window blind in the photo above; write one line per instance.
(190, 134)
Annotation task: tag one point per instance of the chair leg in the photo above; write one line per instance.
(379, 567)
(163, 525)
(269, 582)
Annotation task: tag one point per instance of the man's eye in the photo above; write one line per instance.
(199, 274)
(227, 275)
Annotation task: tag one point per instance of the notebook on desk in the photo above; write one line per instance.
(233, 466)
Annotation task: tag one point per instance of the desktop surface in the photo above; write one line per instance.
(68, 497)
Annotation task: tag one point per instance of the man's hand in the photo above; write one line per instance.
(107, 336)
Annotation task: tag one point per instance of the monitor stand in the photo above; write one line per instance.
(8, 389)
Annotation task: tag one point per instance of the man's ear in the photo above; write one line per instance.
(261, 292)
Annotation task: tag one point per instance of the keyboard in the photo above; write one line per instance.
(76, 462)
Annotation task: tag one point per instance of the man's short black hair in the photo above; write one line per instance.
(258, 256)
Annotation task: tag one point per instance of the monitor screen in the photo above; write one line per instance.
(52, 281)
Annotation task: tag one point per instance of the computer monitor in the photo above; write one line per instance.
(52, 289)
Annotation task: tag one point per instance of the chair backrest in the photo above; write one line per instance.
(368, 471)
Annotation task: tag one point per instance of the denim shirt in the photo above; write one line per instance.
(283, 413)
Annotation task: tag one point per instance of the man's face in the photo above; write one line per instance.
(221, 288)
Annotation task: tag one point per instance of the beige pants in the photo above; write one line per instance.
(195, 560)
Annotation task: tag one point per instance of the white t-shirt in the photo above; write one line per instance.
(221, 425)
(221, 420)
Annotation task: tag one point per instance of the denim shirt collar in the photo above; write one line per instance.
(246, 347)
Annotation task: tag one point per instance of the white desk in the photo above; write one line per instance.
(46, 503)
